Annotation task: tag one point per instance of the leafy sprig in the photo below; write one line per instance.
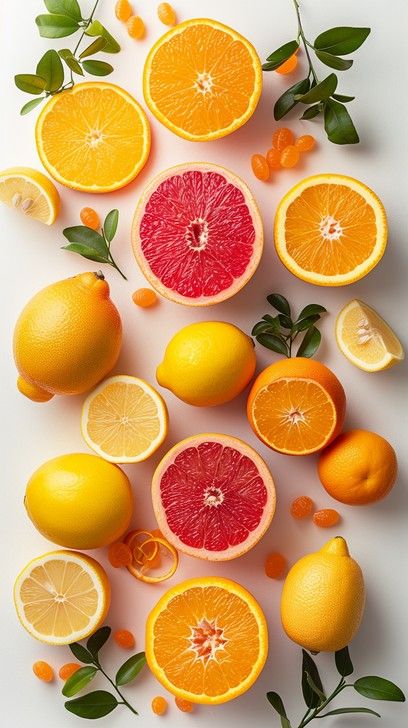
(320, 96)
(376, 688)
(64, 18)
(93, 245)
(279, 332)
(100, 702)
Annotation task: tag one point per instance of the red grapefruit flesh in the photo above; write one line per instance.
(197, 234)
(213, 497)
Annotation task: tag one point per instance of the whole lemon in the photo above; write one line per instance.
(207, 363)
(323, 598)
(79, 501)
(67, 338)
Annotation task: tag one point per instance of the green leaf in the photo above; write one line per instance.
(279, 302)
(340, 64)
(277, 703)
(305, 323)
(344, 99)
(378, 688)
(312, 111)
(287, 101)
(97, 640)
(130, 669)
(30, 83)
(79, 680)
(312, 689)
(50, 68)
(338, 124)
(64, 7)
(86, 252)
(72, 63)
(311, 342)
(341, 41)
(92, 705)
(320, 92)
(86, 236)
(343, 662)
(81, 653)
(110, 225)
(96, 28)
(310, 310)
(280, 55)
(94, 47)
(261, 328)
(274, 343)
(56, 26)
(285, 321)
(340, 711)
(31, 105)
(97, 68)
(273, 320)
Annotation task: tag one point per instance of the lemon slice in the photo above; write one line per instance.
(62, 597)
(365, 338)
(124, 419)
(31, 192)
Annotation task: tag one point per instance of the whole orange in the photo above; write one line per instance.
(296, 406)
(67, 338)
(359, 467)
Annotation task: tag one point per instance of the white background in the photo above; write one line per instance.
(31, 258)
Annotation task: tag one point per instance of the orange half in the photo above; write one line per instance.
(202, 80)
(206, 640)
(94, 137)
(330, 230)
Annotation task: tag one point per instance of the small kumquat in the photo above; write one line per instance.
(305, 143)
(123, 10)
(90, 218)
(273, 156)
(275, 566)
(282, 137)
(301, 507)
(290, 156)
(135, 27)
(159, 705)
(288, 66)
(68, 669)
(43, 671)
(260, 167)
(124, 639)
(144, 297)
(167, 14)
(119, 554)
(326, 518)
(184, 705)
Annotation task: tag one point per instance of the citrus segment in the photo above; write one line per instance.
(197, 234)
(202, 80)
(31, 192)
(296, 406)
(330, 230)
(213, 496)
(124, 419)
(206, 640)
(366, 339)
(62, 597)
(94, 137)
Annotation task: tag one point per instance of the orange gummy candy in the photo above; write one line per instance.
(159, 705)
(184, 705)
(282, 137)
(120, 554)
(260, 167)
(301, 507)
(326, 518)
(144, 297)
(275, 566)
(290, 156)
(68, 669)
(43, 671)
(124, 639)
(90, 218)
(273, 156)
(305, 143)
(288, 66)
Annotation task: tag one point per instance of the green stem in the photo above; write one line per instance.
(306, 44)
(115, 687)
(88, 22)
(112, 262)
(342, 684)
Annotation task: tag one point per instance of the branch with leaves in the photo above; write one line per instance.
(279, 332)
(319, 96)
(100, 702)
(93, 245)
(64, 18)
(314, 695)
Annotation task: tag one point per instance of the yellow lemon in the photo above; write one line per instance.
(323, 598)
(79, 501)
(31, 192)
(207, 363)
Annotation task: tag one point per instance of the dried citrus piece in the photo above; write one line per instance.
(143, 572)
(135, 540)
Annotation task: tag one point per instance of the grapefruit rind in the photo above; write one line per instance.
(231, 587)
(233, 551)
(360, 270)
(254, 261)
(252, 101)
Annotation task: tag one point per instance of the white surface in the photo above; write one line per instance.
(31, 259)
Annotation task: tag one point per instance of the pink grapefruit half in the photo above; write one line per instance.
(197, 234)
(213, 496)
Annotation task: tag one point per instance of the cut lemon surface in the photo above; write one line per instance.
(202, 80)
(94, 137)
(366, 339)
(62, 597)
(330, 230)
(206, 640)
(30, 192)
(124, 419)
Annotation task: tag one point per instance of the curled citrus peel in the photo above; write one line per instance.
(148, 559)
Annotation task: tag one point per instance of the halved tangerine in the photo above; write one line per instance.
(206, 640)
(213, 496)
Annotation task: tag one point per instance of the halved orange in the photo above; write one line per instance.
(206, 640)
(94, 137)
(202, 80)
(330, 230)
(296, 406)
